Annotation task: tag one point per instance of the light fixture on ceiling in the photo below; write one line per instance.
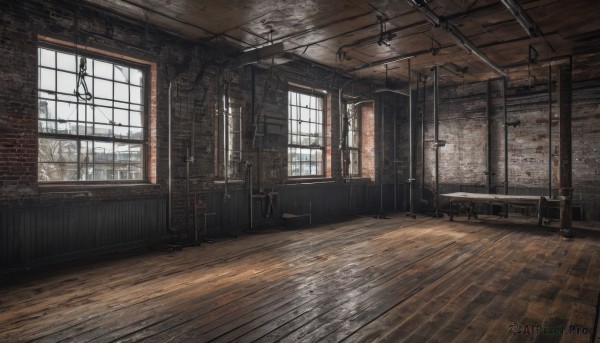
(384, 36)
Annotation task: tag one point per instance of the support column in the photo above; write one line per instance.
(505, 90)
(411, 153)
(436, 107)
(565, 152)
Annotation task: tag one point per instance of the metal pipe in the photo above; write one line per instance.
(505, 87)
(382, 158)
(522, 17)
(414, 138)
(250, 197)
(170, 223)
(226, 138)
(386, 61)
(395, 159)
(344, 136)
(550, 129)
(565, 151)
(187, 188)
(436, 110)
(423, 138)
(239, 130)
(458, 36)
(489, 137)
(411, 153)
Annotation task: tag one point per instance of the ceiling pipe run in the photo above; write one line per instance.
(436, 21)
(387, 61)
(522, 17)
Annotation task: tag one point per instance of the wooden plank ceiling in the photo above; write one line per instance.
(345, 34)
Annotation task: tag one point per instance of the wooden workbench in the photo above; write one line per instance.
(471, 198)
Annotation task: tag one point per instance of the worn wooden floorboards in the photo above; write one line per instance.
(363, 280)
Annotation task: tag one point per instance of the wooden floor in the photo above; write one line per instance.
(362, 280)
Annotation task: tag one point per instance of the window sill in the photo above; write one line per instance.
(66, 187)
(311, 180)
(222, 182)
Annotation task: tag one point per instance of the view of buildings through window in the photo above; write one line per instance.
(94, 136)
(305, 134)
(354, 139)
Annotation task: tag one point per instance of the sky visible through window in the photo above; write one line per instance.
(98, 135)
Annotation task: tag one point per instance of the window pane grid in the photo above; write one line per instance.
(353, 139)
(305, 134)
(111, 122)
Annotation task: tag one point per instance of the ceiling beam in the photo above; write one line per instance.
(257, 55)
(387, 61)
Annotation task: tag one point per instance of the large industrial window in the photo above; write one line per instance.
(91, 117)
(305, 134)
(230, 134)
(351, 157)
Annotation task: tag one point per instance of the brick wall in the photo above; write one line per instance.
(193, 71)
(463, 125)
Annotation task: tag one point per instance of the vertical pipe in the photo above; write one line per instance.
(382, 157)
(489, 137)
(250, 198)
(565, 151)
(504, 84)
(187, 188)
(411, 153)
(416, 109)
(170, 163)
(550, 128)
(226, 137)
(239, 131)
(395, 159)
(423, 138)
(436, 109)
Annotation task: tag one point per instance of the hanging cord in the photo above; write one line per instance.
(86, 95)
(80, 81)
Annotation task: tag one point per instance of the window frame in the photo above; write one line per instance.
(357, 117)
(323, 144)
(145, 110)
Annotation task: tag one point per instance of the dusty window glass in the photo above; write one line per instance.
(305, 134)
(91, 118)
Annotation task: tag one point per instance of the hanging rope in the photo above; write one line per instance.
(80, 83)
